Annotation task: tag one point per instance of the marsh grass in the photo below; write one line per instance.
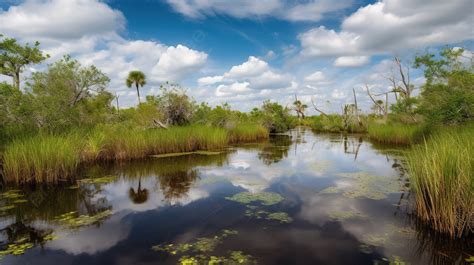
(402, 134)
(53, 158)
(442, 176)
(247, 133)
(42, 158)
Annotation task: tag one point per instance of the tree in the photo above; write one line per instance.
(138, 79)
(14, 57)
(448, 94)
(140, 196)
(175, 104)
(300, 108)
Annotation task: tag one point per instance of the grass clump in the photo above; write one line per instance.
(404, 134)
(42, 158)
(247, 133)
(442, 176)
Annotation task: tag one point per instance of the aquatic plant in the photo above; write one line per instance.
(345, 215)
(265, 198)
(74, 221)
(282, 217)
(404, 134)
(257, 212)
(442, 177)
(370, 186)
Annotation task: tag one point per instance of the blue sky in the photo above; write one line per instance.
(243, 52)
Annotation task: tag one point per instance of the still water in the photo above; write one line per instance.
(299, 198)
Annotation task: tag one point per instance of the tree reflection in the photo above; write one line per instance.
(275, 150)
(176, 185)
(140, 195)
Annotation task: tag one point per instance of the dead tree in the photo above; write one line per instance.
(383, 109)
(318, 110)
(356, 108)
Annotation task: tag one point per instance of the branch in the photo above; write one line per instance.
(318, 110)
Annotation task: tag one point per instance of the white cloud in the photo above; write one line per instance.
(60, 19)
(351, 61)
(89, 30)
(252, 67)
(228, 90)
(312, 10)
(210, 80)
(177, 62)
(389, 25)
(317, 76)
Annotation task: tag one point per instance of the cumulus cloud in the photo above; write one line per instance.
(90, 31)
(401, 24)
(351, 61)
(312, 10)
(252, 67)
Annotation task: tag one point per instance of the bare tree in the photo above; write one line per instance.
(317, 109)
(383, 109)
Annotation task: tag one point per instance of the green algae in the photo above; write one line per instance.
(202, 244)
(370, 186)
(258, 213)
(320, 167)
(346, 215)
(265, 198)
(100, 180)
(282, 217)
(72, 220)
(202, 152)
(20, 246)
(233, 258)
(330, 190)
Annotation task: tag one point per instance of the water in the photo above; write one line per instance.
(314, 199)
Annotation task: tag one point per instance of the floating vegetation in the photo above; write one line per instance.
(329, 190)
(19, 246)
(100, 180)
(366, 249)
(234, 257)
(394, 260)
(282, 217)
(258, 213)
(6, 208)
(11, 194)
(265, 198)
(369, 186)
(345, 215)
(212, 180)
(201, 248)
(73, 221)
(202, 152)
(387, 238)
(320, 167)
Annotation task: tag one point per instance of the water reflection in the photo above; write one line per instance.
(184, 201)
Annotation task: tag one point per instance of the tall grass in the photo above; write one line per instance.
(41, 158)
(53, 158)
(247, 133)
(404, 134)
(442, 176)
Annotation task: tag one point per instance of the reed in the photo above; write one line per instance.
(403, 134)
(247, 133)
(42, 159)
(53, 158)
(442, 176)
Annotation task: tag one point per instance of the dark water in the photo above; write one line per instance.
(299, 198)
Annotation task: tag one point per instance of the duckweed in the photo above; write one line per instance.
(265, 198)
(258, 213)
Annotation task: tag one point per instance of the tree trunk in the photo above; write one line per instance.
(16, 80)
(138, 93)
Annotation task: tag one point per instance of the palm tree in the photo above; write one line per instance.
(139, 196)
(138, 78)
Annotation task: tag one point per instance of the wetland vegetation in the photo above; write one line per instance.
(75, 162)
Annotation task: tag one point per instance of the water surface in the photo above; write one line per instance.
(299, 198)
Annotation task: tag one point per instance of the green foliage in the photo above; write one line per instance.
(247, 133)
(448, 94)
(274, 117)
(177, 107)
(442, 176)
(14, 57)
(136, 78)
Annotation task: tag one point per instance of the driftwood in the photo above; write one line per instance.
(158, 124)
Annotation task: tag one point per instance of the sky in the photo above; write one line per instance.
(244, 51)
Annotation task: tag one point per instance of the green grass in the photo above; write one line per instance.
(442, 176)
(247, 133)
(403, 134)
(54, 158)
(42, 158)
